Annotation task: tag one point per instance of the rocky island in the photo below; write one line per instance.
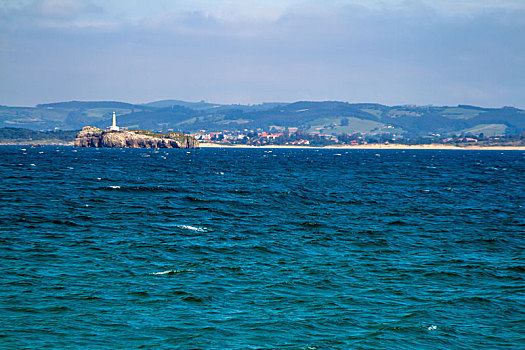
(113, 136)
(93, 137)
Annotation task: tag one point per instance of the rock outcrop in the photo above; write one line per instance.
(94, 137)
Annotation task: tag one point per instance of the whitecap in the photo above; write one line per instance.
(193, 228)
(169, 272)
(114, 187)
(32, 164)
(432, 327)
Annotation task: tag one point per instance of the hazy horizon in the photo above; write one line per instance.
(248, 52)
(259, 103)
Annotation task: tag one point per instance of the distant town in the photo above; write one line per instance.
(295, 137)
(281, 137)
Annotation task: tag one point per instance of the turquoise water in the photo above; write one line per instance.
(261, 249)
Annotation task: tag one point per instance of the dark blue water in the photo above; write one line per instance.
(259, 249)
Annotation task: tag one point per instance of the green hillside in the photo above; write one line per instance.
(328, 117)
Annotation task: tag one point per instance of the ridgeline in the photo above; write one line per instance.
(316, 122)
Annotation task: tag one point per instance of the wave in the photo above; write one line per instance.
(140, 188)
(516, 268)
(33, 219)
(192, 228)
(170, 272)
(398, 223)
(195, 199)
(65, 222)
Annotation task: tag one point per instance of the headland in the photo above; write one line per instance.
(93, 137)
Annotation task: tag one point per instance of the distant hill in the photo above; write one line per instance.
(89, 105)
(193, 105)
(327, 117)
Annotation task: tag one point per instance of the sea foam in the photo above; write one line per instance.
(170, 272)
(193, 228)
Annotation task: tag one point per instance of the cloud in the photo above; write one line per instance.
(36, 15)
(254, 51)
(64, 9)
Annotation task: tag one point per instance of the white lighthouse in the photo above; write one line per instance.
(114, 126)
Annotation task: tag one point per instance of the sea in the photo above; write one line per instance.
(221, 248)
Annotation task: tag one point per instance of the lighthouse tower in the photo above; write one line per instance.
(114, 127)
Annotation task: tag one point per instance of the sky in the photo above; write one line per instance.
(394, 52)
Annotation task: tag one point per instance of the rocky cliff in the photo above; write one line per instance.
(94, 137)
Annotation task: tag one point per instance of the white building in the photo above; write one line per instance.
(114, 127)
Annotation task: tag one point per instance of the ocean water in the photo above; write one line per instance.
(261, 249)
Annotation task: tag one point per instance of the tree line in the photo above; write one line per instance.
(9, 134)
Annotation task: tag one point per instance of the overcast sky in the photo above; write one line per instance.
(440, 52)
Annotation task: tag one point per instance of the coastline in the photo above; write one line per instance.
(36, 144)
(373, 146)
(335, 147)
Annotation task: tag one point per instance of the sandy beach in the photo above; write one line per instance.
(375, 146)
(342, 147)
